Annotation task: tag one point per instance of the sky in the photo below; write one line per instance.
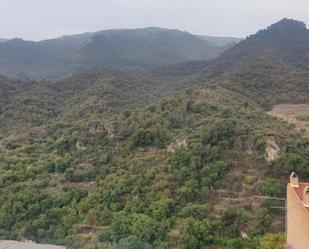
(44, 19)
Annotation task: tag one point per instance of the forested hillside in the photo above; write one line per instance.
(111, 49)
(167, 158)
(270, 66)
(173, 174)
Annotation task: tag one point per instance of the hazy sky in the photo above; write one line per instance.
(41, 19)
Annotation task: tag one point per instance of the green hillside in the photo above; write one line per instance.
(270, 66)
(97, 181)
(167, 158)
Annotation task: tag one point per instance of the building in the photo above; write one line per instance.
(297, 214)
(9, 244)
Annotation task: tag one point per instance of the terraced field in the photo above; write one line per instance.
(297, 115)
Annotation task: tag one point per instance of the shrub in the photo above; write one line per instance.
(272, 241)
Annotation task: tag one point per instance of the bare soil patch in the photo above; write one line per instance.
(291, 114)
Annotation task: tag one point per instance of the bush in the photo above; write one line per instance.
(272, 187)
(196, 234)
(132, 242)
(106, 235)
(272, 241)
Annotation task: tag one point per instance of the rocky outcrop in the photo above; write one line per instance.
(249, 147)
(80, 147)
(272, 150)
(179, 143)
(100, 127)
(83, 229)
(97, 127)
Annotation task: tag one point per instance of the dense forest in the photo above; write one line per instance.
(168, 158)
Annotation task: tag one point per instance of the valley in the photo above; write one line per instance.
(155, 157)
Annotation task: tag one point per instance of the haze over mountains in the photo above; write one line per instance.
(125, 49)
(169, 157)
(221, 41)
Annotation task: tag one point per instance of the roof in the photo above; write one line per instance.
(9, 244)
(300, 191)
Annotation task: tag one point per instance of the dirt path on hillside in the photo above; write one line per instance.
(297, 115)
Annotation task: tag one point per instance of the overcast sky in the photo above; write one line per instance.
(41, 19)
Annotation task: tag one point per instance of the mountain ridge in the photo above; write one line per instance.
(121, 48)
(262, 66)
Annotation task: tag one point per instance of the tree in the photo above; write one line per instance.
(196, 234)
(144, 227)
(120, 225)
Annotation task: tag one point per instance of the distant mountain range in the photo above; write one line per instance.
(124, 49)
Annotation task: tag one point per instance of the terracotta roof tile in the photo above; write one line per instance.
(300, 191)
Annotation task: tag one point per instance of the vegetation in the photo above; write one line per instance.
(112, 159)
(122, 49)
(82, 185)
(304, 118)
(273, 241)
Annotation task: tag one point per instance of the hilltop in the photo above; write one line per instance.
(270, 66)
(111, 49)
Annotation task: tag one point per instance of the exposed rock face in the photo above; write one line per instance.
(179, 143)
(272, 150)
(83, 229)
(110, 128)
(249, 147)
(244, 235)
(80, 147)
(99, 127)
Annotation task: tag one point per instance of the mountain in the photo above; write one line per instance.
(270, 66)
(167, 158)
(27, 59)
(2, 40)
(137, 48)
